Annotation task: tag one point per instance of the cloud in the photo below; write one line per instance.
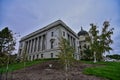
(26, 16)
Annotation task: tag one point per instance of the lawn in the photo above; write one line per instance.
(109, 70)
(17, 66)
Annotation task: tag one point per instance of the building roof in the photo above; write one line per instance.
(82, 32)
(54, 24)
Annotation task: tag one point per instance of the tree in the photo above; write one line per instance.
(105, 38)
(66, 54)
(7, 45)
(24, 58)
(115, 56)
(100, 43)
(94, 42)
(88, 54)
(7, 41)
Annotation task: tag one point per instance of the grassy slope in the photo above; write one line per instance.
(13, 67)
(111, 70)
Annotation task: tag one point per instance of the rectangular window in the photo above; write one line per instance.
(51, 55)
(63, 33)
(33, 57)
(52, 34)
(29, 57)
(51, 44)
(80, 46)
(37, 56)
(41, 55)
(84, 45)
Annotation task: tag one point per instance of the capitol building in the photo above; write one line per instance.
(44, 43)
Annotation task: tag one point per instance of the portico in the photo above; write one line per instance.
(43, 43)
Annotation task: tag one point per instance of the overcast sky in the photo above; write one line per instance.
(26, 16)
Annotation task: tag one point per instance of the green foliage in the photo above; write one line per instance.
(66, 53)
(94, 41)
(17, 66)
(100, 43)
(88, 54)
(3, 60)
(110, 70)
(105, 37)
(7, 46)
(7, 41)
(115, 56)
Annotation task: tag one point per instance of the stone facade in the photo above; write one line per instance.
(43, 43)
(83, 43)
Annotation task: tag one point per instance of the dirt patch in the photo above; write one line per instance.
(44, 72)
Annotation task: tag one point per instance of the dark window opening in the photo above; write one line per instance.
(37, 56)
(52, 44)
(51, 55)
(85, 46)
(33, 57)
(80, 46)
(52, 34)
(41, 55)
(63, 33)
(29, 57)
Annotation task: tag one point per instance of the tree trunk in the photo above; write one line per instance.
(66, 70)
(95, 57)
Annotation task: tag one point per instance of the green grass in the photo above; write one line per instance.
(109, 70)
(17, 66)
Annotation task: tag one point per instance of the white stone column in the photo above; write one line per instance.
(41, 43)
(30, 46)
(27, 47)
(46, 42)
(33, 45)
(70, 40)
(37, 43)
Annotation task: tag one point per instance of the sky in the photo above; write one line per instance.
(26, 16)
